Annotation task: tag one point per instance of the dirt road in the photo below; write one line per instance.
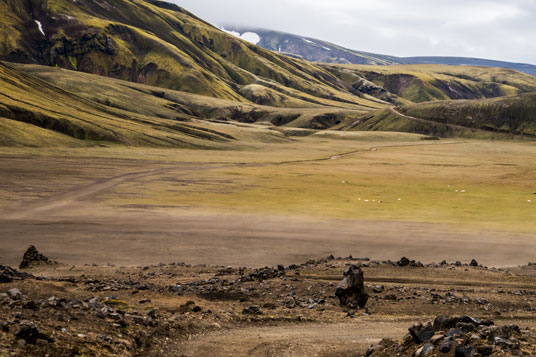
(75, 227)
(315, 339)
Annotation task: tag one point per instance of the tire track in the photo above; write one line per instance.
(63, 200)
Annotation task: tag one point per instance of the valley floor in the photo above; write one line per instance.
(274, 204)
(106, 213)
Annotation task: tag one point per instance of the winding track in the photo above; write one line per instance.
(63, 200)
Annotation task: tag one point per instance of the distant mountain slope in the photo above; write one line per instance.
(161, 44)
(316, 50)
(311, 49)
(505, 117)
(421, 83)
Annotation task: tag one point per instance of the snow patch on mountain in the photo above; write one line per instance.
(246, 36)
(40, 26)
(308, 41)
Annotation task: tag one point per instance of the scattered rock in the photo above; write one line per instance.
(422, 333)
(15, 294)
(473, 263)
(252, 310)
(403, 262)
(7, 274)
(33, 258)
(465, 351)
(378, 288)
(485, 350)
(351, 291)
(425, 350)
(29, 333)
(446, 346)
(462, 336)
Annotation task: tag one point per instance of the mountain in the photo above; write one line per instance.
(400, 84)
(157, 43)
(149, 73)
(505, 117)
(316, 50)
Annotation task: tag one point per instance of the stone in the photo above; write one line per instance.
(252, 310)
(465, 327)
(482, 301)
(153, 313)
(32, 258)
(376, 349)
(403, 262)
(443, 322)
(465, 351)
(8, 274)
(378, 288)
(15, 294)
(437, 338)
(473, 263)
(425, 350)
(4, 326)
(5, 278)
(351, 291)
(390, 297)
(29, 333)
(485, 350)
(422, 333)
(455, 332)
(446, 346)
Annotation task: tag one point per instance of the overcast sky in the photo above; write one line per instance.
(494, 29)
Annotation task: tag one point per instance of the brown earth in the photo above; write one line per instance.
(286, 311)
(60, 204)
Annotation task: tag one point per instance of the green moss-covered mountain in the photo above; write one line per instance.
(149, 73)
(155, 43)
(499, 118)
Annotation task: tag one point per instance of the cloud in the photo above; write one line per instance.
(474, 28)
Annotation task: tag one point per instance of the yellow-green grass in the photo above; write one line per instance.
(158, 44)
(494, 180)
(419, 83)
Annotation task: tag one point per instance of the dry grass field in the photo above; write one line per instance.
(382, 195)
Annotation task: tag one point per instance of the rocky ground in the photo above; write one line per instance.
(446, 309)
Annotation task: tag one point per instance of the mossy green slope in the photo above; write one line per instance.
(34, 112)
(420, 83)
(156, 43)
(497, 118)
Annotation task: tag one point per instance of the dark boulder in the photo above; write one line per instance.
(465, 351)
(443, 322)
(485, 350)
(32, 258)
(403, 262)
(351, 291)
(446, 346)
(252, 310)
(473, 263)
(30, 334)
(7, 274)
(422, 333)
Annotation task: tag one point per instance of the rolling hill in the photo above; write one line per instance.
(315, 50)
(421, 83)
(498, 118)
(160, 44)
(148, 73)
